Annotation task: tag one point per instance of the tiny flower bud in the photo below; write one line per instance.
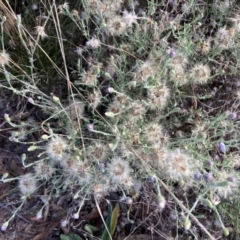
(109, 114)
(23, 157)
(172, 52)
(39, 215)
(79, 51)
(7, 118)
(90, 127)
(19, 20)
(197, 176)
(5, 175)
(75, 216)
(111, 146)
(208, 203)
(34, 7)
(222, 147)
(13, 139)
(101, 166)
(208, 177)
(64, 223)
(216, 200)
(4, 18)
(161, 201)
(44, 137)
(32, 148)
(225, 231)
(152, 179)
(4, 226)
(232, 179)
(7, 75)
(110, 90)
(210, 163)
(128, 200)
(187, 224)
(56, 99)
(30, 100)
(231, 115)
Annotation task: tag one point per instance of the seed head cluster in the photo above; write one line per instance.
(133, 87)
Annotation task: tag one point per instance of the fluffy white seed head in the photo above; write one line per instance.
(225, 184)
(205, 46)
(116, 108)
(153, 132)
(136, 111)
(94, 98)
(75, 109)
(97, 151)
(89, 77)
(84, 175)
(92, 5)
(40, 31)
(43, 170)
(109, 8)
(178, 75)
(180, 60)
(178, 165)
(129, 18)
(76, 169)
(118, 170)
(93, 43)
(157, 156)
(116, 26)
(27, 184)
(124, 150)
(56, 147)
(68, 161)
(79, 51)
(158, 96)
(4, 58)
(144, 71)
(223, 39)
(200, 74)
(101, 189)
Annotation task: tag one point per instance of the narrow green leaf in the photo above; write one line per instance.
(111, 222)
(105, 235)
(90, 229)
(220, 184)
(64, 237)
(70, 236)
(114, 219)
